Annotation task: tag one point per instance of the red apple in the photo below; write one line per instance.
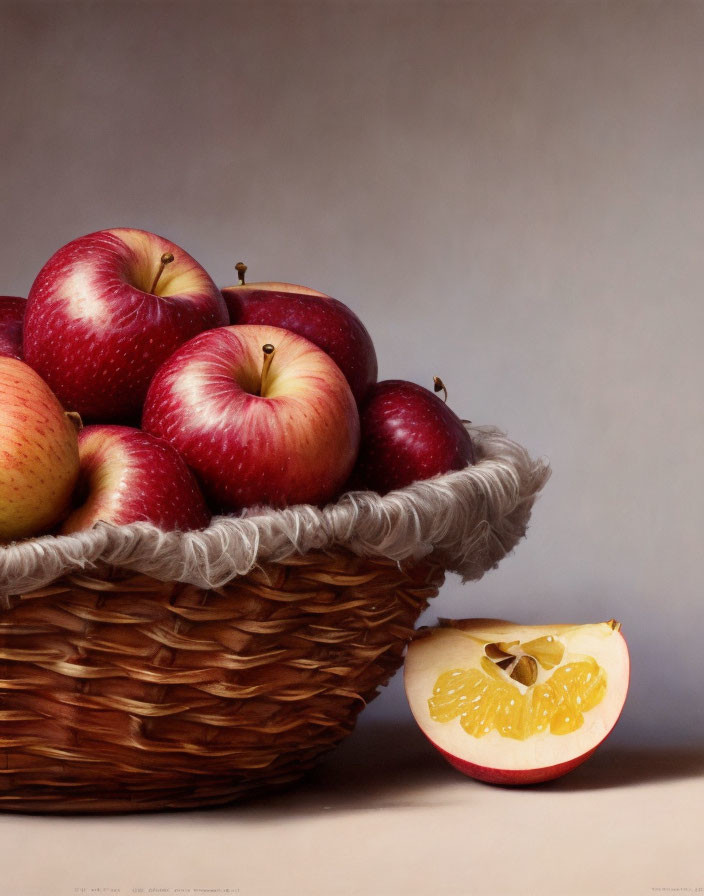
(128, 476)
(107, 310)
(279, 431)
(38, 453)
(245, 289)
(407, 434)
(11, 316)
(515, 704)
(325, 321)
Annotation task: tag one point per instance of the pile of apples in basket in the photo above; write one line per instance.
(133, 389)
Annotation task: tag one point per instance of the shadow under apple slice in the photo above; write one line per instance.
(389, 764)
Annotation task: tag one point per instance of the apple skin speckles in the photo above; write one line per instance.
(96, 332)
(38, 453)
(327, 323)
(129, 476)
(407, 434)
(295, 443)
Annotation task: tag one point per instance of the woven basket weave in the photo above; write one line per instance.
(142, 670)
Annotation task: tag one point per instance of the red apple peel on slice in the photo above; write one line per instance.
(513, 704)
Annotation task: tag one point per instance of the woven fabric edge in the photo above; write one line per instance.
(467, 520)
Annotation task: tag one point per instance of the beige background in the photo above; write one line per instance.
(510, 194)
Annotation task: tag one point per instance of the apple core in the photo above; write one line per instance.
(488, 700)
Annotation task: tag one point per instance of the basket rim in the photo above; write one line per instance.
(468, 520)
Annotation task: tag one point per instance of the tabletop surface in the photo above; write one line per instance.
(385, 815)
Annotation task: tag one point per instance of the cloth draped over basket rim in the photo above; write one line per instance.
(467, 520)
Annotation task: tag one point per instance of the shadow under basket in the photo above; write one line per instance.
(121, 691)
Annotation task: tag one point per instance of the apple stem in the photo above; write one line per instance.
(75, 419)
(166, 258)
(241, 269)
(439, 386)
(268, 350)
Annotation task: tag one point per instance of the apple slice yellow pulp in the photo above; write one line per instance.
(516, 704)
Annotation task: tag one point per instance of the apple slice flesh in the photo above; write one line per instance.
(514, 704)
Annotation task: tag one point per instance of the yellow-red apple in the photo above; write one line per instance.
(38, 453)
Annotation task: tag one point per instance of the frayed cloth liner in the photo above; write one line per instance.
(468, 520)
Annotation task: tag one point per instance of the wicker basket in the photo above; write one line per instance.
(120, 691)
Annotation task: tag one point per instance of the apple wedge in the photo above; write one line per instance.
(517, 704)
